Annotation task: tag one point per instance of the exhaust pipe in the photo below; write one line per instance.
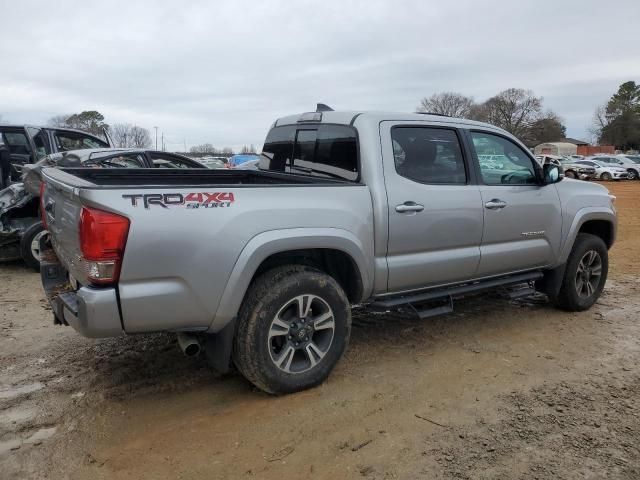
(189, 344)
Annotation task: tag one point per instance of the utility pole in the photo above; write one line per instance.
(185, 145)
(156, 137)
(163, 141)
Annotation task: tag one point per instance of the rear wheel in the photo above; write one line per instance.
(30, 245)
(605, 176)
(585, 273)
(293, 327)
(570, 174)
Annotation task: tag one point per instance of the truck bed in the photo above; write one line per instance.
(154, 177)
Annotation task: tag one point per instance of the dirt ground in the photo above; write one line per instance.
(498, 389)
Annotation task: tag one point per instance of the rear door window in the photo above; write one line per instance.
(428, 155)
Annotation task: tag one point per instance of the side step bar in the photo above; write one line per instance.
(443, 293)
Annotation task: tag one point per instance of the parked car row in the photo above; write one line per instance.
(596, 167)
(242, 160)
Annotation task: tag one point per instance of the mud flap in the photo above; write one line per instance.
(55, 280)
(551, 282)
(218, 348)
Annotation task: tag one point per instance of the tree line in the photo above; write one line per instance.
(521, 113)
(209, 149)
(124, 135)
(618, 121)
(516, 110)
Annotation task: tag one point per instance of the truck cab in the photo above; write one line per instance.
(28, 144)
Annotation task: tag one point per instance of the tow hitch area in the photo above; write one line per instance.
(55, 281)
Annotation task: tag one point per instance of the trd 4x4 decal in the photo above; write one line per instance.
(190, 200)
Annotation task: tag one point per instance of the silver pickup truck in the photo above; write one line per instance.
(260, 267)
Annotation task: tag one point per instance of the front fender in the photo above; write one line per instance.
(581, 217)
(262, 246)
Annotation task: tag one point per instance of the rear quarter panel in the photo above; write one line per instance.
(178, 260)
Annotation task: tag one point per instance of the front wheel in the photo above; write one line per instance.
(293, 327)
(605, 176)
(585, 273)
(632, 174)
(570, 174)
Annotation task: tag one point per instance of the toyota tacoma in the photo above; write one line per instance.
(260, 268)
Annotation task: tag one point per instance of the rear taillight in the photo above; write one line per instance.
(103, 236)
(43, 214)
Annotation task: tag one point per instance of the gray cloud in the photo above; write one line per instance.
(222, 71)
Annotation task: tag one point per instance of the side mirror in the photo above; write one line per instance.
(552, 173)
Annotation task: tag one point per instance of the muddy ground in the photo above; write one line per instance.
(499, 389)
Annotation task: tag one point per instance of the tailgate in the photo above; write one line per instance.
(61, 208)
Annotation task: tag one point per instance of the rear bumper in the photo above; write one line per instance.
(91, 312)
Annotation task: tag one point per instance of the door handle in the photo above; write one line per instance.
(408, 207)
(495, 204)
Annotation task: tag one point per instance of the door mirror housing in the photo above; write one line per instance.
(552, 173)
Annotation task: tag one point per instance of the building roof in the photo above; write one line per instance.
(574, 141)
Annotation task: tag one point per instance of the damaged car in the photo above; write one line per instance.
(20, 226)
(28, 144)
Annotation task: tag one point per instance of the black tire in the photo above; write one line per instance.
(605, 176)
(26, 251)
(569, 297)
(267, 298)
(570, 174)
(633, 175)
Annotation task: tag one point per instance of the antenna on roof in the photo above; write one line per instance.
(321, 107)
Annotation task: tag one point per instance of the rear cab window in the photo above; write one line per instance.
(324, 150)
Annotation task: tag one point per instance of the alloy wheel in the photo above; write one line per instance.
(301, 333)
(588, 274)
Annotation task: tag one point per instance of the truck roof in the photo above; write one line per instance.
(57, 129)
(349, 118)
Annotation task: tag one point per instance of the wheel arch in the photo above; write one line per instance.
(337, 252)
(599, 221)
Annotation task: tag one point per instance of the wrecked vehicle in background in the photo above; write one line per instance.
(28, 144)
(20, 225)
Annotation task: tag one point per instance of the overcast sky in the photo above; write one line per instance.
(221, 72)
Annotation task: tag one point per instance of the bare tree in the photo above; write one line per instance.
(227, 151)
(140, 137)
(599, 122)
(58, 121)
(450, 104)
(205, 148)
(514, 109)
(247, 150)
(126, 135)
